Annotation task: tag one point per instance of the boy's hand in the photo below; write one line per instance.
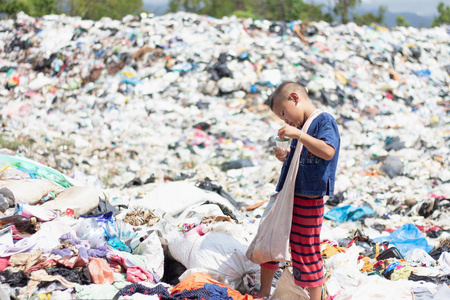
(281, 153)
(289, 131)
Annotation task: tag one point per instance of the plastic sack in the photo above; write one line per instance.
(406, 238)
(30, 191)
(153, 253)
(286, 289)
(271, 242)
(173, 198)
(82, 199)
(348, 213)
(220, 254)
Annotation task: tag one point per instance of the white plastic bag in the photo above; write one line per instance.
(271, 242)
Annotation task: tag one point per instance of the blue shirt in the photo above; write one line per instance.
(315, 176)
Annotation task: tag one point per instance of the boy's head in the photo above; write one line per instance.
(290, 102)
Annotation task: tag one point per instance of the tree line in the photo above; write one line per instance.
(335, 11)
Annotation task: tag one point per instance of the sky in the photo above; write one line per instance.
(419, 7)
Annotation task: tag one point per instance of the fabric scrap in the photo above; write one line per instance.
(100, 272)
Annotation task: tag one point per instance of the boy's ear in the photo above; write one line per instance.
(294, 97)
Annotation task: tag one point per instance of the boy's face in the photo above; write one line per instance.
(289, 111)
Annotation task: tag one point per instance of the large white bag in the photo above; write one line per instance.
(82, 199)
(219, 254)
(271, 242)
(31, 191)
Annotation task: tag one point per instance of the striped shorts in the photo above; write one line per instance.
(305, 243)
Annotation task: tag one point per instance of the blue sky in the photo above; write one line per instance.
(420, 7)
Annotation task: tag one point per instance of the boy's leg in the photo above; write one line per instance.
(315, 293)
(305, 245)
(268, 270)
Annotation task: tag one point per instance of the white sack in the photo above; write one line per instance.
(82, 199)
(286, 289)
(218, 253)
(30, 191)
(173, 198)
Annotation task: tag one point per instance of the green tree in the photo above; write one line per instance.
(444, 15)
(342, 6)
(293, 10)
(15, 6)
(88, 9)
(370, 18)
(400, 21)
(187, 5)
(268, 9)
(96, 9)
(34, 8)
(216, 8)
(43, 7)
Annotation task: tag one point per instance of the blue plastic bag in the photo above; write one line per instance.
(348, 213)
(107, 223)
(406, 238)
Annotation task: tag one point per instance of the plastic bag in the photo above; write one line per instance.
(348, 213)
(88, 229)
(406, 238)
(107, 223)
(272, 238)
(286, 289)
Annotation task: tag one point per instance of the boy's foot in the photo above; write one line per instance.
(256, 296)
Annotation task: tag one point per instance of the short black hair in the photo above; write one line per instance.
(279, 90)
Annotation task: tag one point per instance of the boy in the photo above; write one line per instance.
(315, 179)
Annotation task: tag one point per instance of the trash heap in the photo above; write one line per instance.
(137, 155)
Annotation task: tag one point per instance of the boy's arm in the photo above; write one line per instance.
(317, 147)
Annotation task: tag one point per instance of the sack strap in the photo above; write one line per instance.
(298, 150)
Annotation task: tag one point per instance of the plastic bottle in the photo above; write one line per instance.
(22, 223)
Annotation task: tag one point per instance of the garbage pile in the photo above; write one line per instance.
(137, 155)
